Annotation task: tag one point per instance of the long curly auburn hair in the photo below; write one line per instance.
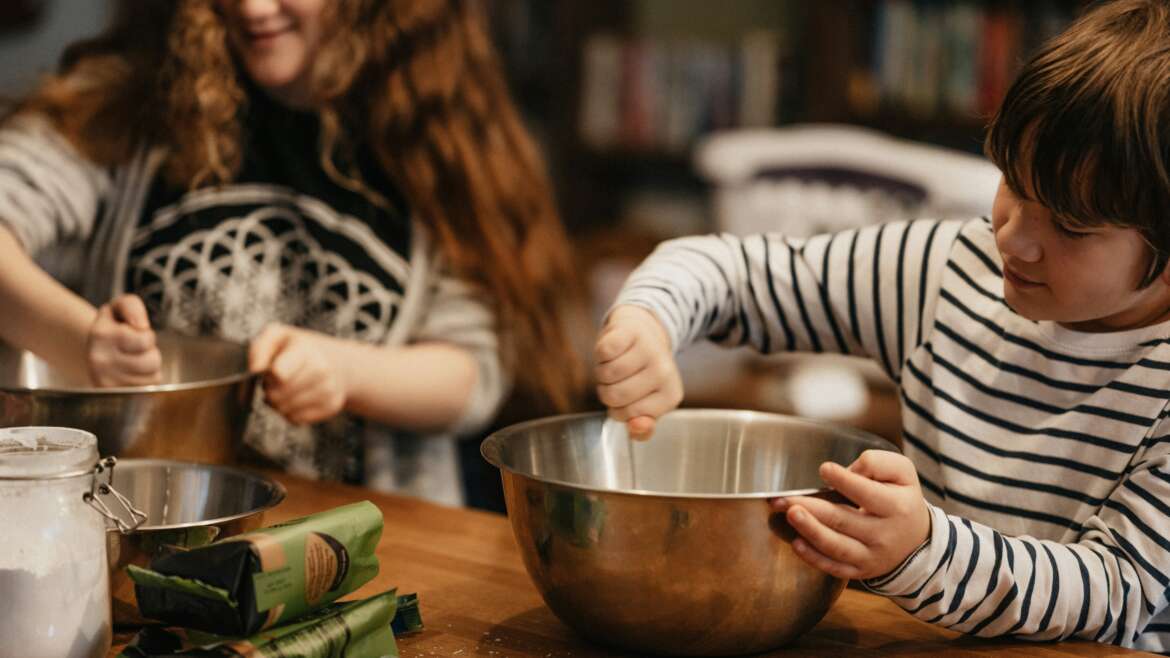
(416, 80)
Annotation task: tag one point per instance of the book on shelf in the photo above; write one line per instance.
(600, 96)
(953, 59)
(961, 24)
(760, 79)
(646, 94)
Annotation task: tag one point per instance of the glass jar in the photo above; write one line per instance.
(54, 578)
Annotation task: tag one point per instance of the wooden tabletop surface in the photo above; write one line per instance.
(477, 600)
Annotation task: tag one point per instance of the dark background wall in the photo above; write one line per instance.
(32, 40)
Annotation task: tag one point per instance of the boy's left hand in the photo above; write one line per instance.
(890, 521)
(300, 379)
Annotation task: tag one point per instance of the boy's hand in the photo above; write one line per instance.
(637, 377)
(120, 347)
(890, 522)
(300, 380)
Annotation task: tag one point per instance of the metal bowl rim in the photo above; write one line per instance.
(279, 491)
(130, 390)
(489, 453)
(162, 336)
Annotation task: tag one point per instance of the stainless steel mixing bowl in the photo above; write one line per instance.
(668, 546)
(197, 413)
(186, 505)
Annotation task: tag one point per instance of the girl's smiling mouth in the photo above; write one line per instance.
(264, 36)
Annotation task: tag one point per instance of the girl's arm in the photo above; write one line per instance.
(310, 377)
(108, 346)
(448, 378)
(424, 388)
(49, 193)
(40, 314)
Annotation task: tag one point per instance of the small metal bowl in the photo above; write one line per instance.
(197, 413)
(187, 505)
(668, 546)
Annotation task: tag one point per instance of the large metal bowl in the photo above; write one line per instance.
(197, 413)
(668, 546)
(186, 505)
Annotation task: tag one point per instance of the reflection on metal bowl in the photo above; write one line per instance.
(197, 413)
(668, 546)
(186, 505)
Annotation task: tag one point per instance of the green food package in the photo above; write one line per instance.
(354, 629)
(257, 580)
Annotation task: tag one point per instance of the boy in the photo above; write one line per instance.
(1031, 351)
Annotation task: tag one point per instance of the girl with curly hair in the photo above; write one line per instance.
(344, 185)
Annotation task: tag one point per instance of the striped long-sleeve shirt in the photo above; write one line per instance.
(1044, 453)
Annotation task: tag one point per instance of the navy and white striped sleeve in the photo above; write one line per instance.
(866, 292)
(49, 192)
(1106, 586)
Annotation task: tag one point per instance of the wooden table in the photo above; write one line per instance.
(476, 598)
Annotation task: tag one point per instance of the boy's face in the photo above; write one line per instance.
(275, 41)
(1083, 278)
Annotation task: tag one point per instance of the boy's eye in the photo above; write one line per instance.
(1065, 229)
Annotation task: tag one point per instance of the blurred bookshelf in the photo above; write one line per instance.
(930, 70)
(619, 91)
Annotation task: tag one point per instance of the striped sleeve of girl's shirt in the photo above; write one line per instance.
(49, 192)
(1106, 586)
(865, 292)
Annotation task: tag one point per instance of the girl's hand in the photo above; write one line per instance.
(120, 348)
(637, 376)
(300, 380)
(891, 519)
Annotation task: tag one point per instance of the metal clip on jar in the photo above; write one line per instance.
(54, 579)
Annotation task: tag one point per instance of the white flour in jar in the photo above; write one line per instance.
(59, 615)
(54, 580)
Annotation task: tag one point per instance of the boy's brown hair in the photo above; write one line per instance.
(1085, 127)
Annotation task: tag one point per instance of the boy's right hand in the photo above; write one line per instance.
(120, 348)
(637, 377)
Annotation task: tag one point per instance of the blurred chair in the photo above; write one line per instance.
(809, 179)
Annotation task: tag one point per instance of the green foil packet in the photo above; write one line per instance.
(354, 629)
(257, 580)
